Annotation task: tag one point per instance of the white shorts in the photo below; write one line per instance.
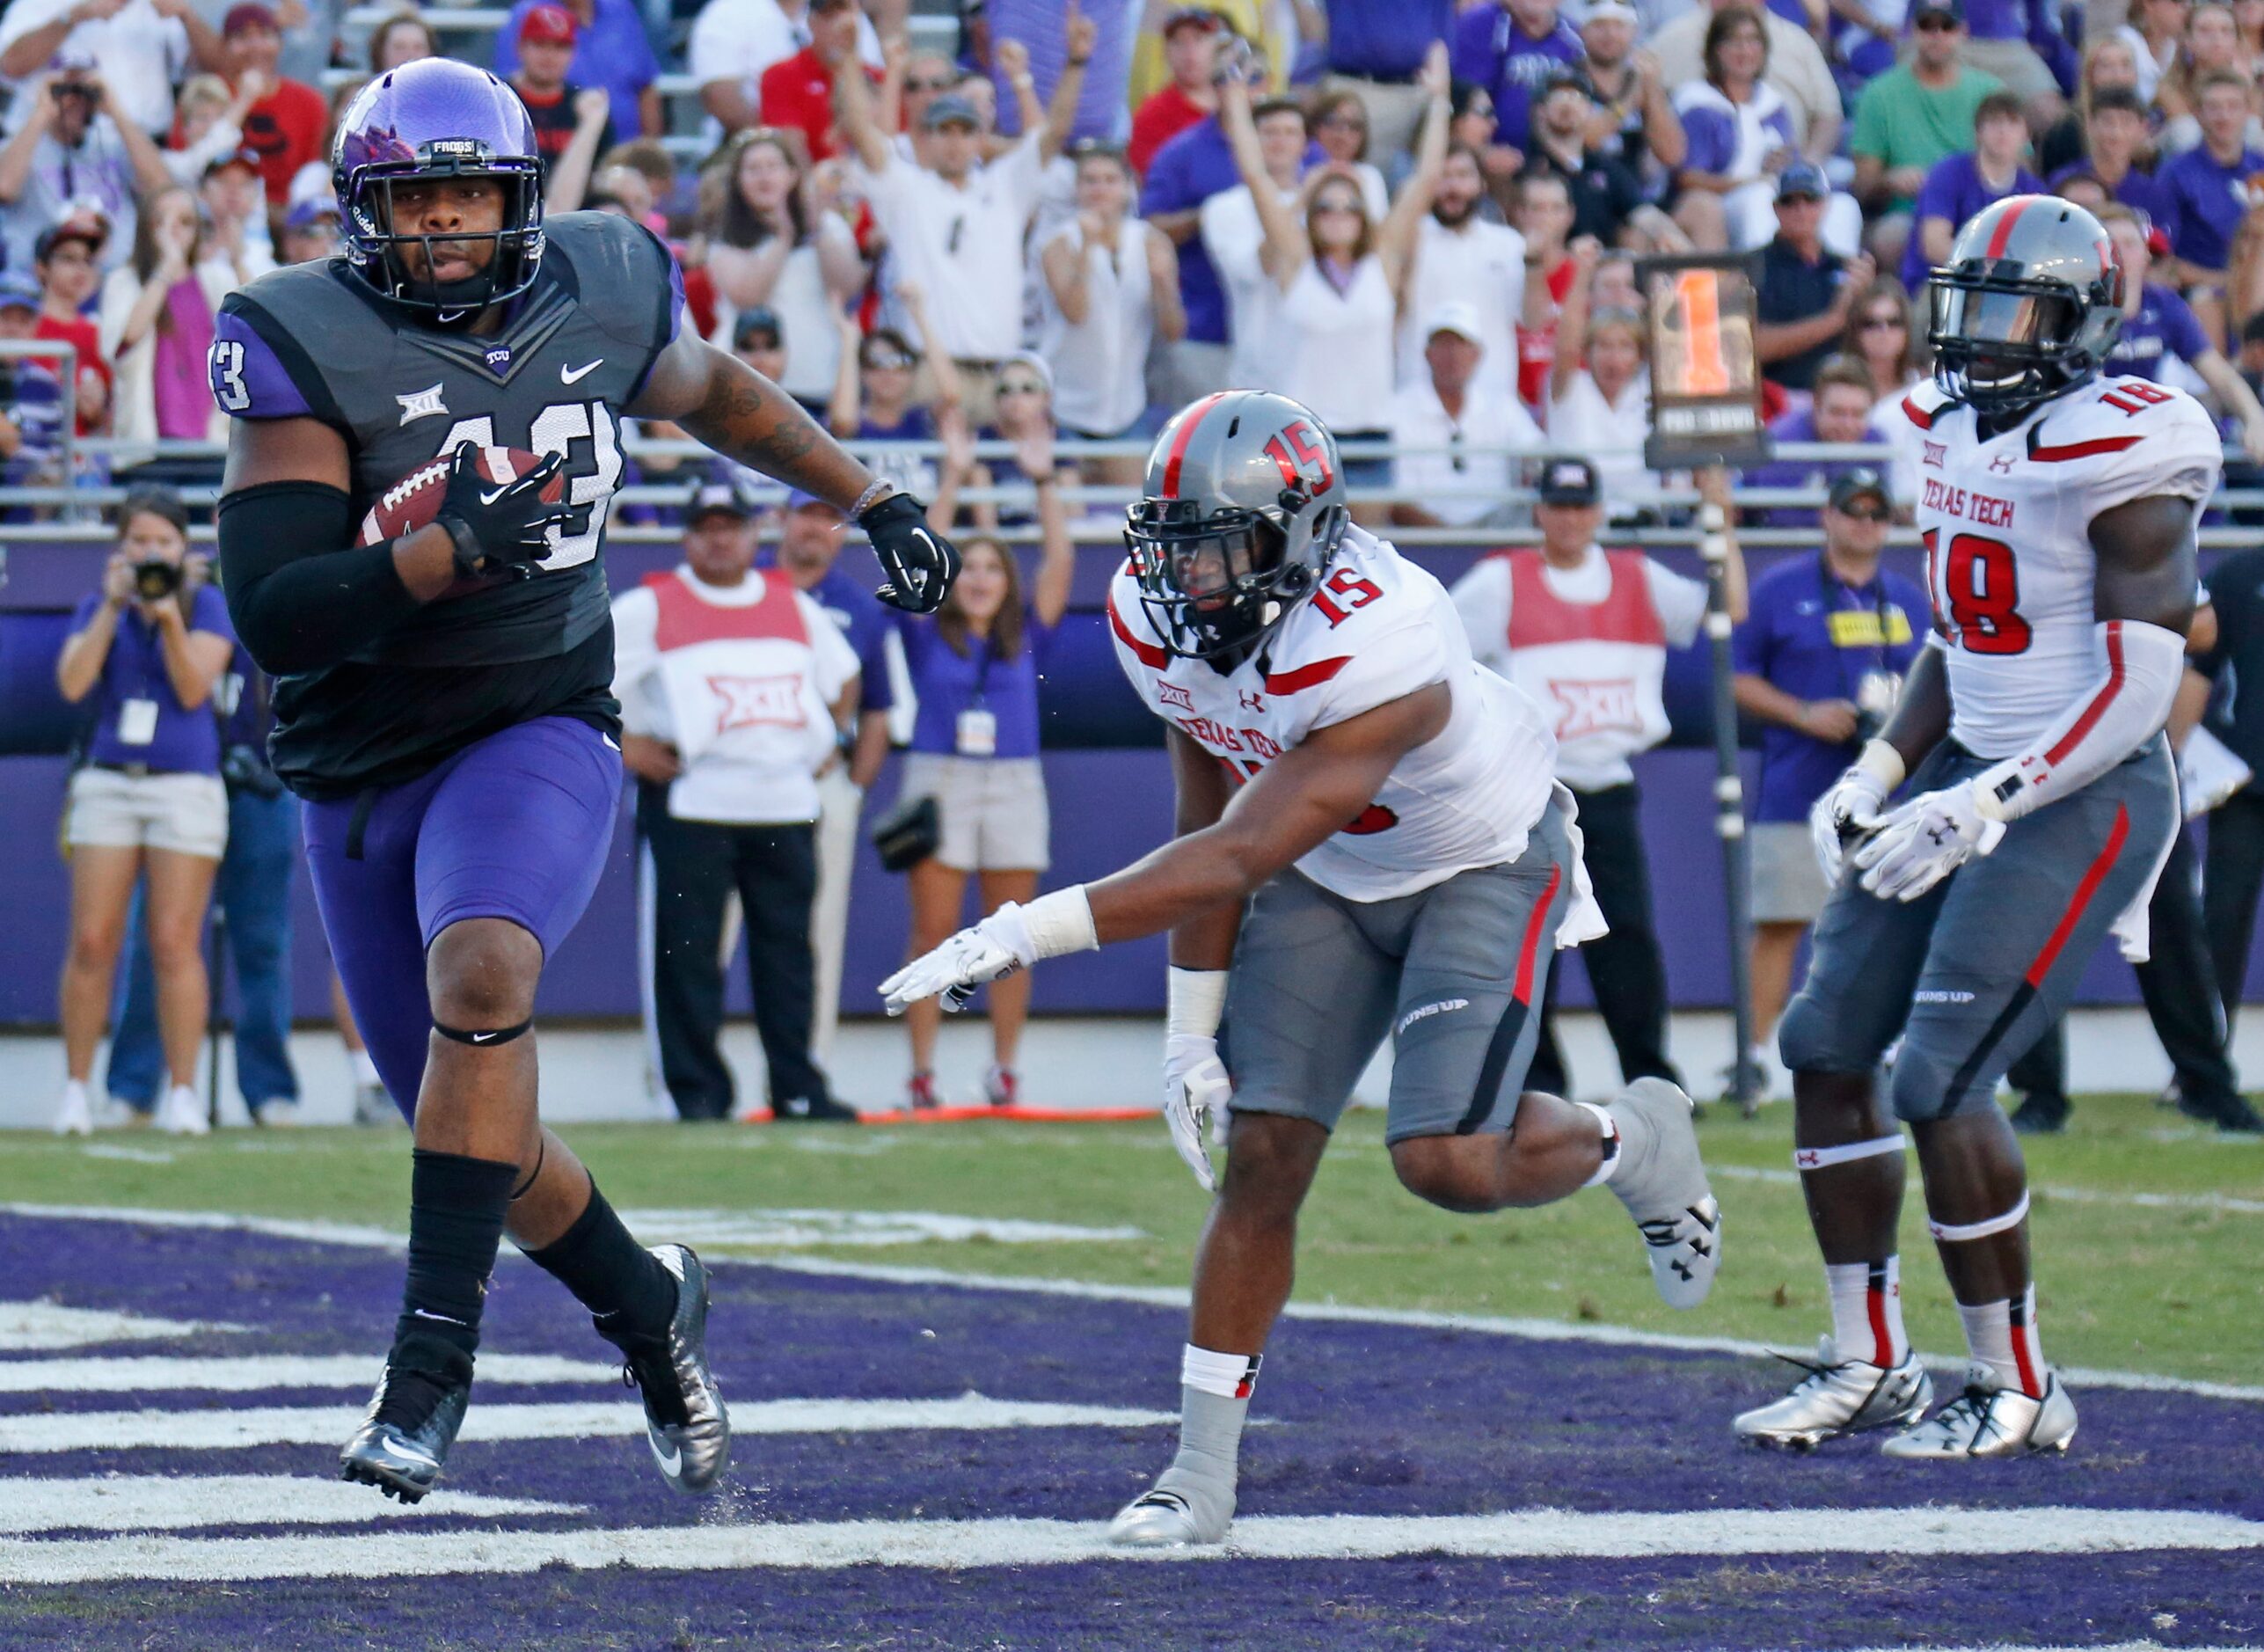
(184, 813)
(991, 810)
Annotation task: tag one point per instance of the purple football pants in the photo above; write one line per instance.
(515, 826)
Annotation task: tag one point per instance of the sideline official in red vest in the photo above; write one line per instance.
(1585, 632)
(736, 691)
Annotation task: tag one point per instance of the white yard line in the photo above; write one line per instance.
(247, 1373)
(2221, 1202)
(956, 1545)
(326, 1425)
(156, 1503)
(1162, 1297)
(26, 1327)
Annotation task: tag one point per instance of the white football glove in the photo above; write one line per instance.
(1194, 1083)
(1925, 840)
(981, 953)
(1852, 807)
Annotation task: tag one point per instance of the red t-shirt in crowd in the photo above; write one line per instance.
(1163, 117)
(284, 130)
(797, 92)
(556, 123)
(81, 335)
(1537, 346)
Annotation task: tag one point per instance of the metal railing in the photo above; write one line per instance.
(66, 380)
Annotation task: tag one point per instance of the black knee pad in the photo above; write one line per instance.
(486, 1038)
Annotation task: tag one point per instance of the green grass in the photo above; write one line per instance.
(2170, 1289)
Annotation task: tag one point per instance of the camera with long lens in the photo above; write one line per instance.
(157, 579)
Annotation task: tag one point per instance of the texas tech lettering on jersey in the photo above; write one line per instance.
(1378, 629)
(2005, 522)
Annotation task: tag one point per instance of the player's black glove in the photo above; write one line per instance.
(920, 565)
(499, 527)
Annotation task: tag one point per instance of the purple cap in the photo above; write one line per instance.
(19, 291)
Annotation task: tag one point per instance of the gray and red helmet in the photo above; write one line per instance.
(1243, 506)
(437, 118)
(2028, 306)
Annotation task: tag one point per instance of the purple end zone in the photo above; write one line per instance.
(1361, 1419)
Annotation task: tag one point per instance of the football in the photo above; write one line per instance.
(413, 502)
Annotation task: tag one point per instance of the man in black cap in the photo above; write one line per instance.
(735, 690)
(1585, 633)
(1820, 659)
(1801, 303)
(1607, 198)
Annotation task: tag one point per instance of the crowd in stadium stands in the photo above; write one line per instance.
(1070, 217)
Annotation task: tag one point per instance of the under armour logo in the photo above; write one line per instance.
(1806, 1157)
(1251, 700)
(2002, 463)
(422, 404)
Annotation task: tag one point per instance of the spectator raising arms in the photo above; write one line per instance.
(284, 128)
(875, 399)
(974, 750)
(1462, 259)
(210, 123)
(1110, 285)
(1512, 47)
(1190, 41)
(767, 248)
(144, 48)
(148, 801)
(610, 51)
(1634, 116)
(157, 319)
(572, 123)
(70, 156)
(1600, 391)
(1606, 195)
(1340, 273)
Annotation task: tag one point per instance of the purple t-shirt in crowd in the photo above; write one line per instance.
(1786, 639)
(2207, 201)
(947, 684)
(186, 741)
(865, 623)
(1800, 425)
(1490, 49)
(1710, 120)
(1954, 189)
(1385, 39)
(2163, 326)
(180, 370)
(2140, 190)
(1196, 165)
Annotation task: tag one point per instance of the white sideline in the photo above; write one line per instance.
(28, 1327)
(1152, 1296)
(247, 1373)
(1539, 1533)
(155, 1502)
(48, 1432)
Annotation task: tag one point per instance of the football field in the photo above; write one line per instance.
(951, 1353)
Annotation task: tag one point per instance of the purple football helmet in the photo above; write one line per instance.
(438, 117)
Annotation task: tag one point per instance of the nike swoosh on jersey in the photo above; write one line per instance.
(576, 375)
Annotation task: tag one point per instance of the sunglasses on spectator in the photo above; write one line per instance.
(1936, 24)
(1335, 205)
(1020, 387)
(1873, 323)
(927, 85)
(1351, 122)
(1865, 512)
(887, 361)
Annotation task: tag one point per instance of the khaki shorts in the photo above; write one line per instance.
(1788, 885)
(184, 813)
(992, 810)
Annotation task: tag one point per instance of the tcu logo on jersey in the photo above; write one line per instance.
(1301, 459)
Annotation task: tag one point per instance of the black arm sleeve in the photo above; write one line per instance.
(299, 608)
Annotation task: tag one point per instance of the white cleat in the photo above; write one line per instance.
(1162, 1519)
(181, 1113)
(1663, 1183)
(1991, 1420)
(76, 1116)
(1839, 1397)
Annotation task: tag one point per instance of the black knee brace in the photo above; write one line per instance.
(486, 1039)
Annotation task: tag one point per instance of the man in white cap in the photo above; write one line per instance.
(1634, 116)
(1451, 425)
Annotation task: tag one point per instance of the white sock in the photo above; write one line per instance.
(1867, 1310)
(365, 1069)
(182, 1096)
(2001, 1335)
(1609, 1126)
(74, 1091)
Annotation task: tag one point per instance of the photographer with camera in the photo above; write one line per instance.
(148, 802)
(70, 154)
(1820, 659)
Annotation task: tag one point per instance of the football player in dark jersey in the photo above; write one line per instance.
(443, 701)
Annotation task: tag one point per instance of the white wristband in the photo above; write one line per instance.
(1882, 762)
(1194, 1002)
(1060, 922)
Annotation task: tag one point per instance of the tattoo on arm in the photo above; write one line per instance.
(743, 416)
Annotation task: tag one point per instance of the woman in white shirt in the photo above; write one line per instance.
(1111, 285)
(1600, 390)
(765, 246)
(1340, 276)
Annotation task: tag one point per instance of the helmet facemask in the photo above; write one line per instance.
(2003, 343)
(1213, 584)
(376, 248)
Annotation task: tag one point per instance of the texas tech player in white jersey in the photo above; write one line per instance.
(1385, 862)
(1378, 628)
(2005, 522)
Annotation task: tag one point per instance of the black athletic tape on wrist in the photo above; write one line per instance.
(486, 1038)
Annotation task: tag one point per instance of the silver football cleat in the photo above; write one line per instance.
(1162, 1519)
(686, 1423)
(1664, 1188)
(1839, 1397)
(1991, 1420)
